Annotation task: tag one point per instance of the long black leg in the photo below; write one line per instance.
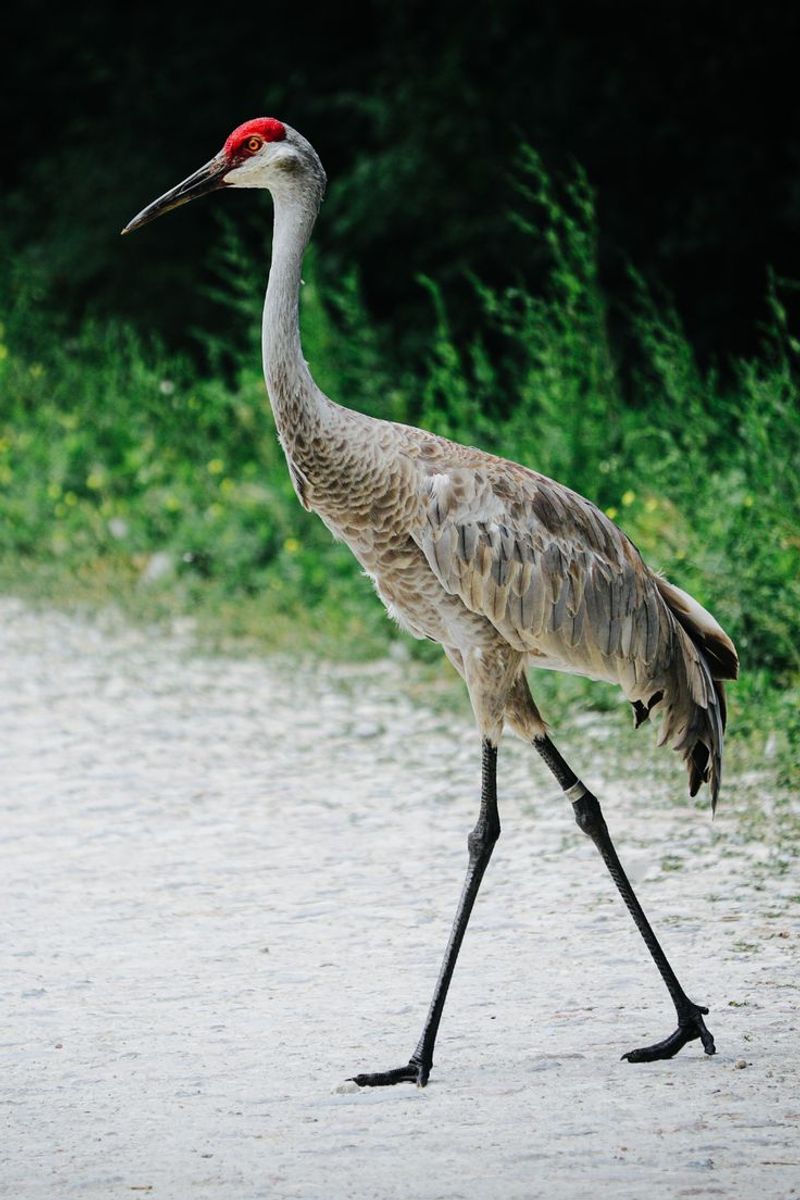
(480, 844)
(590, 819)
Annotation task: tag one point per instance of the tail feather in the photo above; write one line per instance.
(695, 710)
(704, 761)
(706, 633)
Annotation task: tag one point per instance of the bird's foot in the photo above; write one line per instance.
(415, 1072)
(690, 1026)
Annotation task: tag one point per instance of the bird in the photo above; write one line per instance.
(503, 567)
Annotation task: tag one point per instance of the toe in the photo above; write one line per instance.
(412, 1072)
(687, 1031)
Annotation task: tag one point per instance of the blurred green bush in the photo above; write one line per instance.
(125, 465)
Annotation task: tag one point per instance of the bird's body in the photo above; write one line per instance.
(503, 567)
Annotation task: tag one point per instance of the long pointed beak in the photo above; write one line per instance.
(208, 179)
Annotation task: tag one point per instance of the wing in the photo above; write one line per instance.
(547, 568)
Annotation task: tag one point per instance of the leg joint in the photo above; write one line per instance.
(483, 837)
(588, 815)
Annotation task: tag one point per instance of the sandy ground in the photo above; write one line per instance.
(226, 884)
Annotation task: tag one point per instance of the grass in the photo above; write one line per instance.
(132, 474)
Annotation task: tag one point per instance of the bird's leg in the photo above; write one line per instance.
(480, 844)
(590, 819)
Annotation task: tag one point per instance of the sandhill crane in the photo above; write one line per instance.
(505, 568)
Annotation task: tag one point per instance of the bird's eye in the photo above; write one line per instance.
(253, 143)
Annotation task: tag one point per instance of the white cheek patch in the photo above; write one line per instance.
(248, 174)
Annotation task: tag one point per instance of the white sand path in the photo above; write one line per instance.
(226, 883)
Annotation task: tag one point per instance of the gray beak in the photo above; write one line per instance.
(208, 179)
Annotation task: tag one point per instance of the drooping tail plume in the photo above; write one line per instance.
(694, 719)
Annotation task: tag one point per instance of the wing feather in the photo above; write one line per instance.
(561, 582)
(546, 567)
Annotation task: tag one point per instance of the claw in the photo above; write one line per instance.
(691, 1027)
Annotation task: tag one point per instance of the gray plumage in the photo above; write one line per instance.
(505, 568)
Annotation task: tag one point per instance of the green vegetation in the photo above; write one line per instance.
(127, 471)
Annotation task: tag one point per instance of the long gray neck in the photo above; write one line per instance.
(296, 401)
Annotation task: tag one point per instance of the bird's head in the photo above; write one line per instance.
(262, 153)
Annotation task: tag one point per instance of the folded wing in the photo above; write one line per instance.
(549, 570)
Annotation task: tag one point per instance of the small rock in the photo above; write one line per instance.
(158, 566)
(740, 1064)
(183, 626)
(347, 1088)
(118, 528)
(366, 729)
